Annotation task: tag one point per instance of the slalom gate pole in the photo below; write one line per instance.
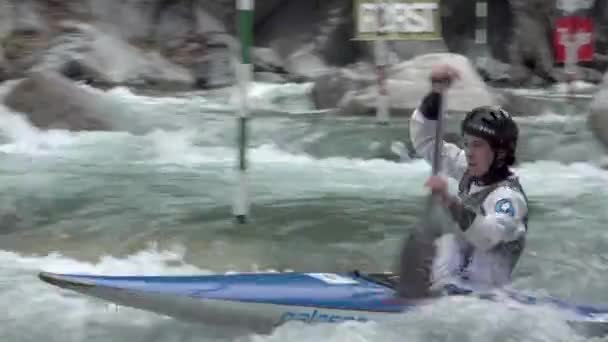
(381, 59)
(481, 32)
(244, 71)
(571, 63)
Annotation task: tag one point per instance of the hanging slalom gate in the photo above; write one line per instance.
(481, 33)
(381, 21)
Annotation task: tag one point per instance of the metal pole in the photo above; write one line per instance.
(381, 57)
(244, 72)
(481, 32)
(572, 40)
(572, 61)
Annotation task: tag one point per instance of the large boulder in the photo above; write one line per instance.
(29, 16)
(174, 21)
(290, 30)
(129, 19)
(85, 52)
(23, 36)
(7, 18)
(331, 88)
(49, 100)
(178, 32)
(355, 92)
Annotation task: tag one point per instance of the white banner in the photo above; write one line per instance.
(397, 19)
(570, 6)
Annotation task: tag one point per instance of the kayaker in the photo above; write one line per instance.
(491, 208)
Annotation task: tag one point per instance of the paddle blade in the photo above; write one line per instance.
(418, 252)
(415, 265)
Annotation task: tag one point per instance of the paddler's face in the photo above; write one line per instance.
(479, 155)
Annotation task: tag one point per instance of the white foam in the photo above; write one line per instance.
(57, 313)
(550, 117)
(577, 85)
(268, 163)
(291, 97)
(274, 170)
(449, 319)
(281, 97)
(191, 101)
(23, 138)
(559, 90)
(178, 147)
(375, 178)
(549, 179)
(150, 261)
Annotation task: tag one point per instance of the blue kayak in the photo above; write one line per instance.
(262, 301)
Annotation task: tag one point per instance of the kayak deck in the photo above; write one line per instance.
(322, 290)
(262, 301)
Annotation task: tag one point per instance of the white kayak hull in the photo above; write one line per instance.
(260, 302)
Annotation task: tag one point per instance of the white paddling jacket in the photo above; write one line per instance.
(492, 219)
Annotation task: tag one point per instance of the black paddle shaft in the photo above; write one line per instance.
(437, 148)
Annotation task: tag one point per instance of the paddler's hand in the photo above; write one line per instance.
(442, 76)
(439, 185)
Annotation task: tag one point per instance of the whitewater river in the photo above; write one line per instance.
(327, 195)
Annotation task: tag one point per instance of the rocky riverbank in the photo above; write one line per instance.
(164, 45)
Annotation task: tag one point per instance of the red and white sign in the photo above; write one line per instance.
(573, 33)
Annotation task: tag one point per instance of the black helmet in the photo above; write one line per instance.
(496, 126)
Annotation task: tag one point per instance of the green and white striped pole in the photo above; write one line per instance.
(244, 73)
(481, 33)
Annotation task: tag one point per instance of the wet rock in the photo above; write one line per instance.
(174, 22)
(269, 77)
(28, 17)
(7, 19)
(331, 88)
(107, 60)
(49, 100)
(355, 93)
(215, 69)
(266, 59)
(306, 63)
(291, 31)
(130, 20)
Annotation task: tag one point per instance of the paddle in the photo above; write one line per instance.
(418, 250)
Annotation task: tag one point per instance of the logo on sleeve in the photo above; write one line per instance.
(505, 206)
